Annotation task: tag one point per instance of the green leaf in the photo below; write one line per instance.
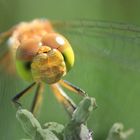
(117, 133)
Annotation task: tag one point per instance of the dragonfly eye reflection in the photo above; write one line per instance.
(59, 42)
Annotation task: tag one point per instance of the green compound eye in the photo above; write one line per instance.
(24, 69)
(24, 55)
(59, 42)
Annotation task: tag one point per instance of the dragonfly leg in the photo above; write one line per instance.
(37, 98)
(62, 97)
(19, 95)
(72, 87)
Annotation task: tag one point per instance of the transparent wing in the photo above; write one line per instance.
(3, 46)
(119, 42)
(93, 27)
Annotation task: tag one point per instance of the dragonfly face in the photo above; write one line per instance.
(48, 65)
(42, 55)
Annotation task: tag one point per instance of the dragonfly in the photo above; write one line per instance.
(43, 56)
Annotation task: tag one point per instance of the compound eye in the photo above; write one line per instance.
(24, 56)
(55, 41)
(27, 50)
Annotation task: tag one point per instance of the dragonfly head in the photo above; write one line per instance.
(53, 60)
(47, 60)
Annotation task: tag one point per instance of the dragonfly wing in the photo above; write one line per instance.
(118, 42)
(6, 59)
(5, 35)
(93, 27)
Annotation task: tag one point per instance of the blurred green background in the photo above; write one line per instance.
(107, 62)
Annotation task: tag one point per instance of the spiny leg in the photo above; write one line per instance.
(72, 87)
(37, 98)
(23, 92)
(62, 97)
